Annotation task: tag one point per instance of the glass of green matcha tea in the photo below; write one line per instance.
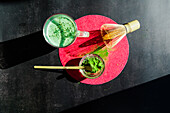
(94, 66)
(60, 30)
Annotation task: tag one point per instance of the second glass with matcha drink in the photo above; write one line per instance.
(96, 64)
(60, 30)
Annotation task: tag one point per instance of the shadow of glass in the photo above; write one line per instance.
(22, 49)
(81, 48)
(67, 76)
(96, 40)
(75, 73)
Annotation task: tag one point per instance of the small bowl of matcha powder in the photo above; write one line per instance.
(94, 66)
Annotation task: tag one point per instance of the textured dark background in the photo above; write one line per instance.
(25, 90)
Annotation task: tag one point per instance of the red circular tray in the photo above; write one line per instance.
(115, 59)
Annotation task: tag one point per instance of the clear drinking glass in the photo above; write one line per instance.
(89, 74)
(60, 30)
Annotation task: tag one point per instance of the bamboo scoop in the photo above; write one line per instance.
(64, 67)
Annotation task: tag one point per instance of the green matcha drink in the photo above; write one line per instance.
(96, 64)
(60, 30)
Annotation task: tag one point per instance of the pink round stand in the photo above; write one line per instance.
(115, 59)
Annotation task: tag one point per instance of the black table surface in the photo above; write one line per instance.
(24, 89)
